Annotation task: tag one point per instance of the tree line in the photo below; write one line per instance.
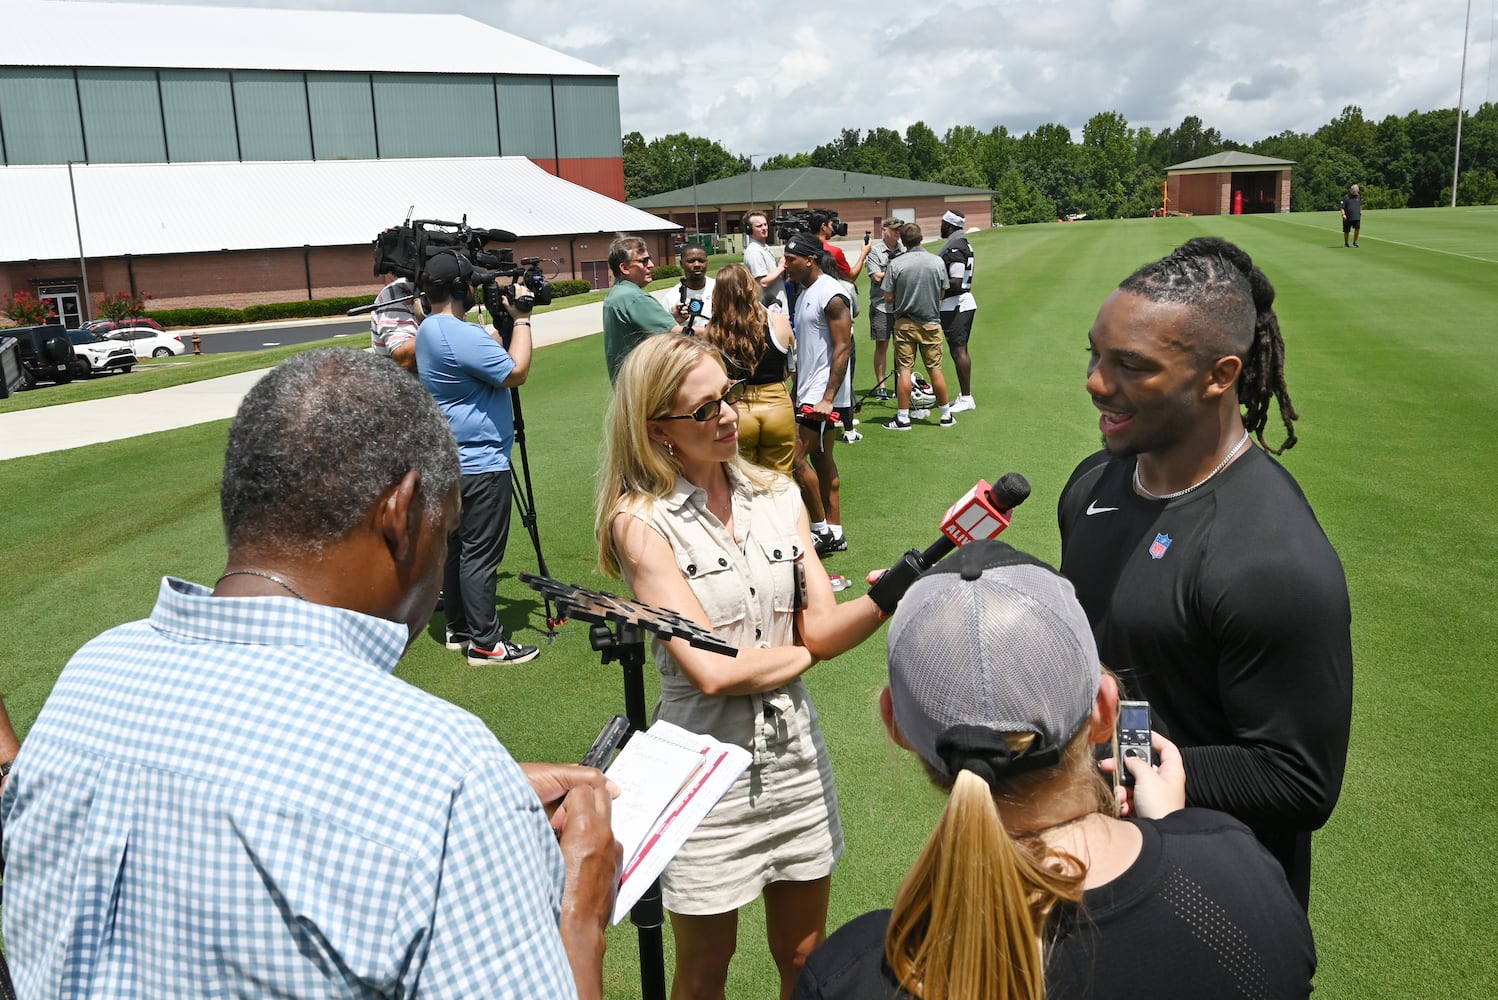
(1117, 170)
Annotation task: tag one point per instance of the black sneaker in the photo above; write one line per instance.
(458, 640)
(949, 421)
(822, 541)
(505, 652)
(834, 544)
(897, 425)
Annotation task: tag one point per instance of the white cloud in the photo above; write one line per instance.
(768, 79)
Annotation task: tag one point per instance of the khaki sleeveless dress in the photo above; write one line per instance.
(779, 821)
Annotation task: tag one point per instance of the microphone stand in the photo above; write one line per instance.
(618, 634)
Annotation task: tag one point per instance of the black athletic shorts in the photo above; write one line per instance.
(1348, 225)
(958, 326)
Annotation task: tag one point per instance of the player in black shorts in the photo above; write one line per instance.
(958, 307)
(1208, 581)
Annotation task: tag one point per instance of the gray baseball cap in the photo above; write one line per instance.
(990, 642)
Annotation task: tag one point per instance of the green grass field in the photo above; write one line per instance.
(1391, 352)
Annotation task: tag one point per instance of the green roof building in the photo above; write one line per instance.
(863, 201)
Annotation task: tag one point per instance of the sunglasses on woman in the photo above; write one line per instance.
(709, 410)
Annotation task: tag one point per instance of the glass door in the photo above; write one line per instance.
(65, 307)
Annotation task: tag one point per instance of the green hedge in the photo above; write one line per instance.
(570, 286)
(201, 316)
(218, 316)
(304, 310)
(665, 271)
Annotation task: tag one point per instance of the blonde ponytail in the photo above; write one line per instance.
(970, 918)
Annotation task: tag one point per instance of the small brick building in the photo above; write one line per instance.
(1230, 183)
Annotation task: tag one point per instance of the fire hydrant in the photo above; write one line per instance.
(197, 343)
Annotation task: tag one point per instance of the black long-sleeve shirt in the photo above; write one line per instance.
(1228, 610)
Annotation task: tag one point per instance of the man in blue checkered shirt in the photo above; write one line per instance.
(236, 798)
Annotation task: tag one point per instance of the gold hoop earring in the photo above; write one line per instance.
(670, 449)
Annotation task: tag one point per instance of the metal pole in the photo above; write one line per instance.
(78, 228)
(696, 218)
(1461, 89)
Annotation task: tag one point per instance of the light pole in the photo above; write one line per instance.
(78, 228)
(752, 205)
(1460, 94)
(696, 216)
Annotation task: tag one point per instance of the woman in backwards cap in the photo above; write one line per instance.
(1031, 885)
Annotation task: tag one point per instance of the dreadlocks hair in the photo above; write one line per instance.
(1233, 313)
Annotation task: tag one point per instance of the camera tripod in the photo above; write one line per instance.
(618, 633)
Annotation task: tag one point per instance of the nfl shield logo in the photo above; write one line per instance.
(1160, 545)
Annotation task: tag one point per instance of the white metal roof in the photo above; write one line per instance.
(166, 208)
(168, 36)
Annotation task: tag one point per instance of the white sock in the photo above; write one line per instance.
(966, 397)
(836, 529)
(903, 416)
(819, 527)
(946, 410)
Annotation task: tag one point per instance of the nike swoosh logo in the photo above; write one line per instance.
(1093, 508)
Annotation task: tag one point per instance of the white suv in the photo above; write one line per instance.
(94, 354)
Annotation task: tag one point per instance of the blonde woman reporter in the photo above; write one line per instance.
(694, 527)
(755, 344)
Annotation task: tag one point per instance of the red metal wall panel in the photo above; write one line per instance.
(602, 174)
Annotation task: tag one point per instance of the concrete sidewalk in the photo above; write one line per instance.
(73, 425)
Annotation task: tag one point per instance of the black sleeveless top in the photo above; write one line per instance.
(771, 367)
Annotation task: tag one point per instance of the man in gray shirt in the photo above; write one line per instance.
(881, 312)
(762, 263)
(914, 284)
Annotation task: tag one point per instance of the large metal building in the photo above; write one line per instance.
(171, 88)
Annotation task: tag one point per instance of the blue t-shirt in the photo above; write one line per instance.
(464, 369)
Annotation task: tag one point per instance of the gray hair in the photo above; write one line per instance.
(319, 438)
(621, 250)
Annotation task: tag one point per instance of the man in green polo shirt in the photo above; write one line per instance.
(629, 314)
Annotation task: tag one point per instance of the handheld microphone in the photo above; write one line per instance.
(983, 512)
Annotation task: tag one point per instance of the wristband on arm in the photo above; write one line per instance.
(895, 581)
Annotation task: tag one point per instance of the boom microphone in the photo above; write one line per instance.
(983, 512)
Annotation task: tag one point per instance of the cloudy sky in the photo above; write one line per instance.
(791, 79)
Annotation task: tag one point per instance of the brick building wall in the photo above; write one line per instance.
(235, 279)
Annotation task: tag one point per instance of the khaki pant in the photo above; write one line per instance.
(911, 336)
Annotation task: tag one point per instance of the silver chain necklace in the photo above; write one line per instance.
(273, 578)
(1196, 485)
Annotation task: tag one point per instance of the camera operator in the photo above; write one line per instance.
(393, 323)
(825, 224)
(470, 373)
(762, 263)
(630, 314)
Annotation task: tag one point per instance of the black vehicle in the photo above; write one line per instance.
(46, 353)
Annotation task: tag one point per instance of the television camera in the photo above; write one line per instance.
(404, 251)
(807, 220)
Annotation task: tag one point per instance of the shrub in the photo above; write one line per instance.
(570, 286)
(123, 305)
(198, 316)
(661, 271)
(25, 309)
(303, 310)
